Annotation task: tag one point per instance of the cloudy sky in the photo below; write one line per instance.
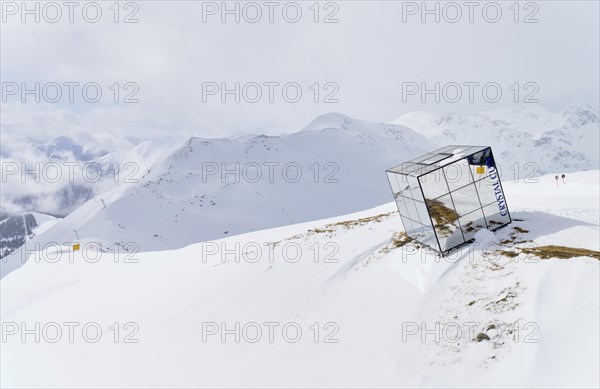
(367, 59)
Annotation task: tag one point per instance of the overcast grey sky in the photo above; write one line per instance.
(363, 61)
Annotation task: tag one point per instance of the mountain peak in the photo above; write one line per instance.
(62, 141)
(581, 113)
(331, 120)
(63, 148)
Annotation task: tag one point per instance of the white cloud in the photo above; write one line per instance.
(369, 54)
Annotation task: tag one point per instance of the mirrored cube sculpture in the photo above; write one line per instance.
(446, 196)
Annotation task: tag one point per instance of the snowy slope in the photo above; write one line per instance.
(360, 288)
(211, 188)
(555, 142)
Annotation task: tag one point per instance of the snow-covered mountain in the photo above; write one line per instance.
(211, 188)
(528, 140)
(58, 176)
(64, 148)
(565, 141)
(518, 308)
(16, 229)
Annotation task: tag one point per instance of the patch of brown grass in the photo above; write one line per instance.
(361, 221)
(551, 251)
(508, 253)
(442, 216)
(331, 228)
(401, 239)
(440, 213)
(321, 230)
(561, 252)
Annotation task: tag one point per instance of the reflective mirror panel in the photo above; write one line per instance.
(401, 206)
(471, 223)
(458, 174)
(399, 184)
(408, 227)
(445, 222)
(413, 183)
(489, 190)
(450, 237)
(393, 182)
(442, 210)
(423, 214)
(465, 199)
(411, 209)
(434, 185)
(496, 216)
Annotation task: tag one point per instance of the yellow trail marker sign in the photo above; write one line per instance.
(76, 246)
(480, 170)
